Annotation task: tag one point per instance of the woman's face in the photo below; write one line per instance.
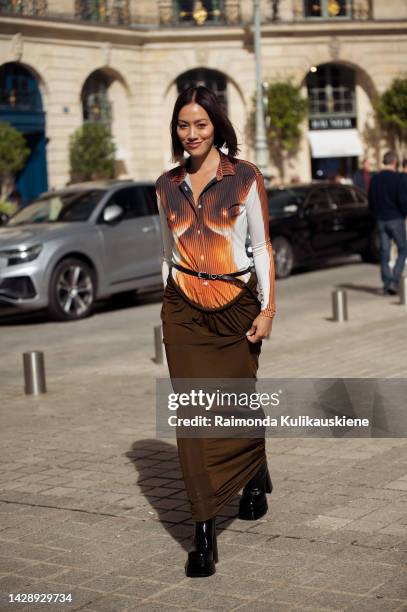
(195, 130)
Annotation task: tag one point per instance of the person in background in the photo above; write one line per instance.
(272, 181)
(404, 165)
(341, 180)
(362, 177)
(388, 203)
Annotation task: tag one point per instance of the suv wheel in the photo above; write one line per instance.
(283, 257)
(72, 290)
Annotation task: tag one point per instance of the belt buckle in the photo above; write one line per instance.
(208, 275)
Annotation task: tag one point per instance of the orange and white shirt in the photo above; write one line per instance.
(210, 235)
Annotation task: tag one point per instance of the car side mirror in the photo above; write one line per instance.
(112, 213)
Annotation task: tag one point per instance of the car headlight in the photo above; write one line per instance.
(11, 257)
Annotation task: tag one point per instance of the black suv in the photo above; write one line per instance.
(313, 222)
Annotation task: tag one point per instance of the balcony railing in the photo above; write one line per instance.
(23, 7)
(328, 10)
(199, 12)
(189, 13)
(114, 12)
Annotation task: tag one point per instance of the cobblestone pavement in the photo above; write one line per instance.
(92, 503)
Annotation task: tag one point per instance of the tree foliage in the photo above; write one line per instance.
(92, 152)
(13, 154)
(285, 109)
(391, 110)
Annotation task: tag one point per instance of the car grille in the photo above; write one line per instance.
(20, 287)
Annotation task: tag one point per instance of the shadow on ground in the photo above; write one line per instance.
(155, 460)
(363, 288)
(119, 301)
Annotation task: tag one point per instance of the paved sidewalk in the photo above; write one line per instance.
(92, 504)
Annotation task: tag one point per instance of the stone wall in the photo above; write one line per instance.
(146, 65)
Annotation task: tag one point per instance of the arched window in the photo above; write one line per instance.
(19, 88)
(331, 91)
(95, 101)
(334, 138)
(212, 79)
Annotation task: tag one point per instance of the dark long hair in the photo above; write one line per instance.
(224, 131)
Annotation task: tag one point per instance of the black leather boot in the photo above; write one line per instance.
(253, 503)
(201, 560)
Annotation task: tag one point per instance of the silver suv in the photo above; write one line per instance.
(87, 241)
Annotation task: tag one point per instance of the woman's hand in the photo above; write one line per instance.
(261, 328)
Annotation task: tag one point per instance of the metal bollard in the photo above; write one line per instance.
(403, 290)
(160, 356)
(340, 305)
(34, 373)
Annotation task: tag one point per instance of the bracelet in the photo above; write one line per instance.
(269, 316)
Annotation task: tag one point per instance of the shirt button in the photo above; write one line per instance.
(199, 231)
(202, 257)
(199, 205)
(205, 282)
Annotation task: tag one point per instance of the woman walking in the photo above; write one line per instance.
(213, 319)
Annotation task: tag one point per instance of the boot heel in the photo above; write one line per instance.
(269, 484)
(215, 546)
(201, 560)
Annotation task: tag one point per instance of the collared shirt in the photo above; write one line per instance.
(210, 235)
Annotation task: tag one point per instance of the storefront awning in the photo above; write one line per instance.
(335, 143)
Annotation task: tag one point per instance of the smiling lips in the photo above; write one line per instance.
(193, 145)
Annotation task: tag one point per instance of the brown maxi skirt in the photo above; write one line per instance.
(212, 343)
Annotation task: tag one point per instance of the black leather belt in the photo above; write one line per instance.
(230, 277)
(209, 275)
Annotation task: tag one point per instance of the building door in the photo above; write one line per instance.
(21, 107)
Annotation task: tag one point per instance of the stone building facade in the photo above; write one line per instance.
(124, 62)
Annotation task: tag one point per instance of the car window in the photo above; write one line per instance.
(285, 200)
(69, 206)
(81, 208)
(341, 197)
(133, 200)
(318, 201)
(151, 197)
